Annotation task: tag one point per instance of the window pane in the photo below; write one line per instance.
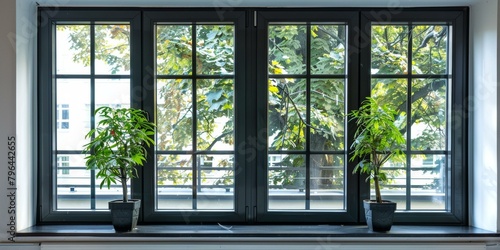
(430, 49)
(215, 49)
(287, 114)
(287, 49)
(327, 181)
(215, 115)
(112, 93)
(72, 49)
(328, 49)
(327, 114)
(215, 182)
(389, 51)
(72, 189)
(65, 114)
(174, 49)
(392, 92)
(429, 114)
(174, 182)
(286, 182)
(429, 182)
(105, 195)
(74, 94)
(174, 114)
(112, 49)
(394, 189)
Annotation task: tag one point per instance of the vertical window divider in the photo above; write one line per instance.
(308, 116)
(408, 116)
(195, 119)
(92, 109)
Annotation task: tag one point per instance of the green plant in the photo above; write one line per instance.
(376, 141)
(118, 145)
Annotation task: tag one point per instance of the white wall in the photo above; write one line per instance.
(484, 72)
(26, 28)
(7, 106)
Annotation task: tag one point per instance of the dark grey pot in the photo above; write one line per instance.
(379, 216)
(124, 216)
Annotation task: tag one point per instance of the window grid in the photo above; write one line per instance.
(249, 201)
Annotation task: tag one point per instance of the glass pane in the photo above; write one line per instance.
(430, 49)
(287, 114)
(429, 113)
(328, 49)
(174, 182)
(215, 49)
(286, 182)
(174, 50)
(327, 114)
(113, 93)
(428, 182)
(392, 92)
(215, 182)
(112, 49)
(287, 49)
(389, 50)
(73, 101)
(72, 183)
(215, 114)
(174, 114)
(105, 195)
(73, 49)
(394, 189)
(327, 181)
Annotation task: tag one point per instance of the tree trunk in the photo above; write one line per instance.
(316, 161)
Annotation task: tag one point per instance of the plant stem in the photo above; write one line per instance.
(377, 189)
(376, 171)
(123, 179)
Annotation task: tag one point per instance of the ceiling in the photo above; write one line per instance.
(260, 3)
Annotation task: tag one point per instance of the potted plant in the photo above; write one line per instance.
(376, 141)
(118, 145)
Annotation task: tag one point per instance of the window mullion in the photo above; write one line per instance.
(195, 155)
(92, 109)
(308, 117)
(409, 151)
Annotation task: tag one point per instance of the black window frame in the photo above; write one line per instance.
(251, 32)
(459, 110)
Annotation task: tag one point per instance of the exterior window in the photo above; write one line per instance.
(62, 165)
(306, 116)
(84, 80)
(250, 108)
(195, 116)
(62, 116)
(410, 71)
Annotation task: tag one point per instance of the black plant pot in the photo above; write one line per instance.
(379, 216)
(124, 215)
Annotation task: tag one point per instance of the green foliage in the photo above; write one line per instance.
(376, 140)
(118, 144)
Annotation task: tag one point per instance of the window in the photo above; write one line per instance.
(251, 107)
(62, 116)
(62, 165)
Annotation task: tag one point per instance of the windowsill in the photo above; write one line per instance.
(286, 233)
